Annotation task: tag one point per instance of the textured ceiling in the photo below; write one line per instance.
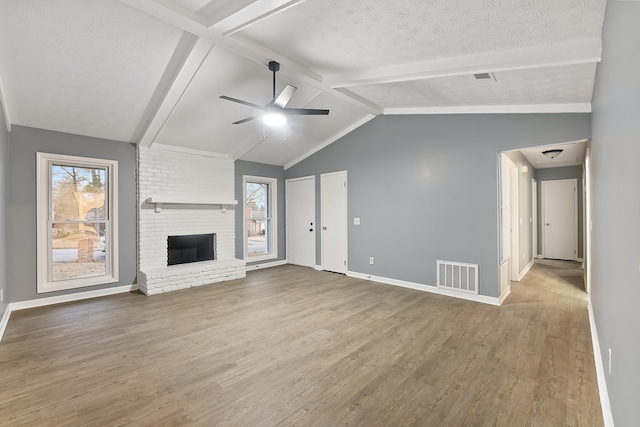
(89, 68)
(348, 35)
(151, 71)
(565, 84)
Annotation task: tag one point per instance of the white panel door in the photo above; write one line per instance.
(301, 221)
(560, 219)
(333, 201)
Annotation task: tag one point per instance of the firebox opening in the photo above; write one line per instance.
(191, 248)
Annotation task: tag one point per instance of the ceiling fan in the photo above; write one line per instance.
(274, 112)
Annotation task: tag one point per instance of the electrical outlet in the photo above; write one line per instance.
(370, 260)
(356, 221)
(609, 361)
(1, 295)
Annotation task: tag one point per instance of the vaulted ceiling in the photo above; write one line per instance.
(151, 71)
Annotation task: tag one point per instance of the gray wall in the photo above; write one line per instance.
(616, 208)
(4, 179)
(23, 145)
(426, 187)
(525, 209)
(551, 174)
(269, 171)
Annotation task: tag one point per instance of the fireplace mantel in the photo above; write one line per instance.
(176, 200)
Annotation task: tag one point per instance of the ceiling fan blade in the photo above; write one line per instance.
(285, 96)
(248, 119)
(240, 101)
(305, 112)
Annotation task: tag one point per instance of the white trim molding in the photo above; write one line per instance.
(5, 320)
(607, 415)
(426, 288)
(526, 269)
(45, 221)
(263, 265)
(271, 216)
(59, 299)
(504, 296)
(5, 109)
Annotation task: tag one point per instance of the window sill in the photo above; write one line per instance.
(260, 258)
(75, 283)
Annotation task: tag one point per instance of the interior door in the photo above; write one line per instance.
(560, 219)
(333, 205)
(301, 221)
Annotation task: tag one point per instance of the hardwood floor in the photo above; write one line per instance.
(293, 346)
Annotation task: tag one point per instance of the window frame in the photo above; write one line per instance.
(44, 162)
(272, 217)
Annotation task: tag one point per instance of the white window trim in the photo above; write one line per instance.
(273, 215)
(43, 230)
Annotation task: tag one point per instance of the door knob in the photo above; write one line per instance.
(311, 229)
(547, 224)
(324, 228)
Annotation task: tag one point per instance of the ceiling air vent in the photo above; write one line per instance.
(484, 76)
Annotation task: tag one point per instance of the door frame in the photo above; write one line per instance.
(515, 221)
(534, 221)
(575, 214)
(506, 168)
(287, 210)
(346, 220)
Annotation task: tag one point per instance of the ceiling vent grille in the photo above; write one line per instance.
(484, 76)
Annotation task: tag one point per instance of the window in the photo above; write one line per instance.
(260, 218)
(76, 227)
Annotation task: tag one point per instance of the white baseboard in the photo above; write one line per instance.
(266, 265)
(526, 270)
(5, 321)
(426, 288)
(602, 383)
(317, 267)
(540, 256)
(58, 299)
(504, 297)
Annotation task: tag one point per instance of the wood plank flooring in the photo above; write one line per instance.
(293, 346)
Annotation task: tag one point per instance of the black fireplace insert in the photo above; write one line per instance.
(191, 248)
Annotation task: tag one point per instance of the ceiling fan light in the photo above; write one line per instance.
(274, 119)
(552, 154)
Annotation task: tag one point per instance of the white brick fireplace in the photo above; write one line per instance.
(184, 194)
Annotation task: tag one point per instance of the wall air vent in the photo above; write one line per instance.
(458, 276)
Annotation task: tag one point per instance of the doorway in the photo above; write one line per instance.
(301, 221)
(333, 205)
(560, 219)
